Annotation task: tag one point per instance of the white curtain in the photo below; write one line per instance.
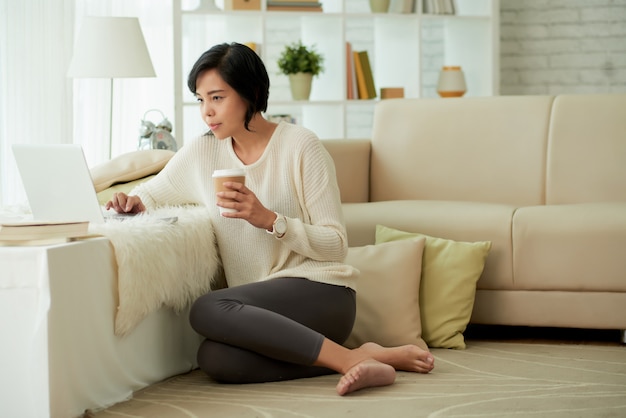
(40, 104)
(35, 101)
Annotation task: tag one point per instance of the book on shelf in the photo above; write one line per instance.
(360, 78)
(241, 4)
(450, 7)
(351, 92)
(367, 72)
(33, 231)
(364, 76)
(294, 2)
(293, 5)
(293, 9)
(440, 7)
(41, 242)
(402, 6)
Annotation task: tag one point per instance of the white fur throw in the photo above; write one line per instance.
(160, 263)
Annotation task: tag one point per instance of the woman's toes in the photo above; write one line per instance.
(368, 373)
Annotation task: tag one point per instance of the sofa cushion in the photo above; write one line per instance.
(387, 293)
(579, 247)
(435, 149)
(459, 221)
(450, 270)
(587, 149)
(352, 164)
(128, 167)
(551, 308)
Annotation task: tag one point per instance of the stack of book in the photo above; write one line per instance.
(359, 77)
(41, 233)
(439, 7)
(294, 6)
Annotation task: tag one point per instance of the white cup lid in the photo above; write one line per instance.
(229, 172)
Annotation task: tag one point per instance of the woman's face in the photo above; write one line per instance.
(221, 107)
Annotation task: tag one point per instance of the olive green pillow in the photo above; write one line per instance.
(450, 270)
(387, 297)
(105, 195)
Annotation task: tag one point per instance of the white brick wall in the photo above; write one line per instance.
(432, 56)
(562, 46)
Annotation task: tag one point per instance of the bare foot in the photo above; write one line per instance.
(409, 358)
(366, 374)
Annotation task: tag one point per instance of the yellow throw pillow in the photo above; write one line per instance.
(387, 298)
(450, 270)
(105, 195)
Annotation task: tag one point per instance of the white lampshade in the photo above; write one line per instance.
(110, 47)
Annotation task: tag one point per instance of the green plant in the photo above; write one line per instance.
(297, 58)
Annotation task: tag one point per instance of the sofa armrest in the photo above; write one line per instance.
(352, 164)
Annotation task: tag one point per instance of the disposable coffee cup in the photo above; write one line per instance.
(222, 176)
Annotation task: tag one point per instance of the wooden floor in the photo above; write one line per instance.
(543, 335)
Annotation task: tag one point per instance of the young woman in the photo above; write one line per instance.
(290, 301)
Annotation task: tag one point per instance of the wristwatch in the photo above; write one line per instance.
(279, 227)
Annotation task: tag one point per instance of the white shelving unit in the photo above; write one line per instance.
(405, 50)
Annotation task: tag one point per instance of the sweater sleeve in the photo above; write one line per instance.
(321, 234)
(173, 185)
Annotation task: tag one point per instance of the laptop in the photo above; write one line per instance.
(58, 183)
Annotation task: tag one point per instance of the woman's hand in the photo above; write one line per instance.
(122, 203)
(247, 205)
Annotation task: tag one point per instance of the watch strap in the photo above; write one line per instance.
(279, 218)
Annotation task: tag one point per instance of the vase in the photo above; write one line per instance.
(207, 6)
(300, 84)
(379, 6)
(451, 82)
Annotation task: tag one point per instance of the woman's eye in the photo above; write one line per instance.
(199, 99)
(217, 98)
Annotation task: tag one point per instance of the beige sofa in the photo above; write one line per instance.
(541, 177)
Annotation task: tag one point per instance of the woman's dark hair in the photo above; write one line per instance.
(242, 69)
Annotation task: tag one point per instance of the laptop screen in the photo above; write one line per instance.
(57, 182)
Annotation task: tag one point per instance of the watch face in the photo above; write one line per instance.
(281, 226)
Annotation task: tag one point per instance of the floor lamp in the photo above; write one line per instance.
(110, 47)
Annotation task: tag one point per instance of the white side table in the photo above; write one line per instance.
(24, 304)
(58, 354)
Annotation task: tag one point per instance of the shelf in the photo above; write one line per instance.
(405, 50)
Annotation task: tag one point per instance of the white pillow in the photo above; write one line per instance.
(387, 298)
(128, 167)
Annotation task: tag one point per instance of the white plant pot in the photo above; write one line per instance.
(300, 84)
(379, 6)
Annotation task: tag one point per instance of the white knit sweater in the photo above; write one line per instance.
(295, 177)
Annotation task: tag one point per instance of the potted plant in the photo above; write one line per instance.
(300, 63)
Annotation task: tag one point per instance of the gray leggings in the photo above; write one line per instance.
(271, 330)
